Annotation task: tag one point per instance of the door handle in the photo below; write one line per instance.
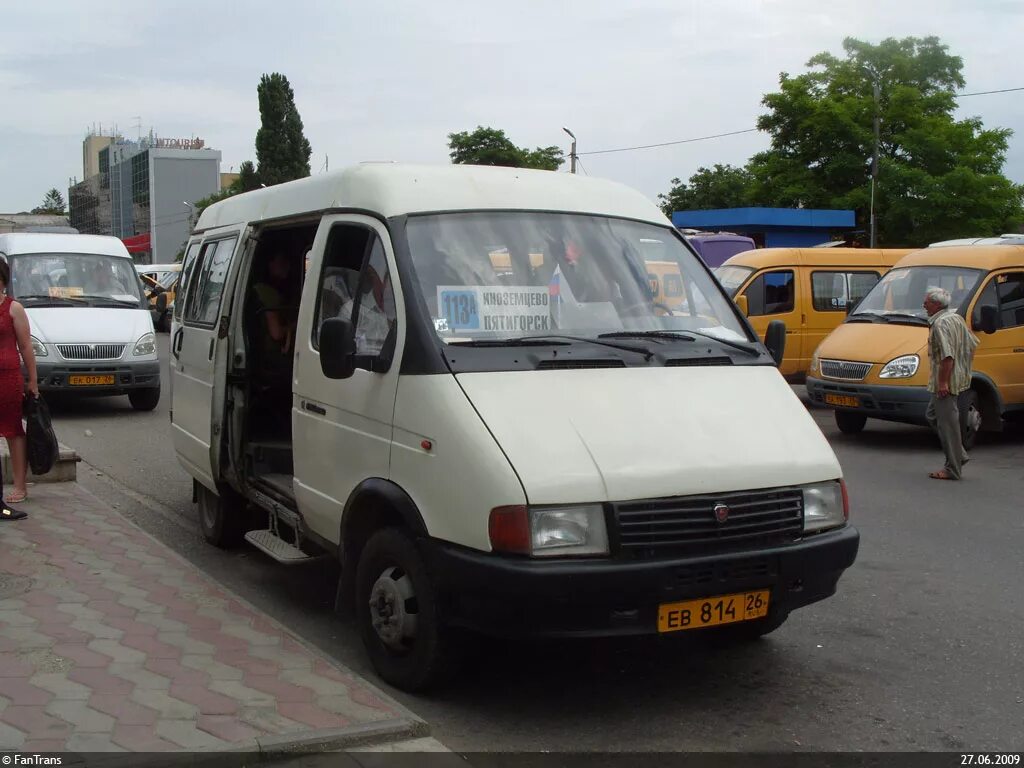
(314, 408)
(210, 355)
(176, 344)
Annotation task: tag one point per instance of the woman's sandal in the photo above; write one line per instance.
(16, 498)
(6, 513)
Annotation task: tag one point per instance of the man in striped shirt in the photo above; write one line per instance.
(950, 355)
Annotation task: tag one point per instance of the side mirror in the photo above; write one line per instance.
(337, 348)
(775, 340)
(742, 305)
(989, 320)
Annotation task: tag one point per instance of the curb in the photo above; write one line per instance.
(64, 471)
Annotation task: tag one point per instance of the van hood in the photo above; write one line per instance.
(88, 325)
(635, 433)
(873, 342)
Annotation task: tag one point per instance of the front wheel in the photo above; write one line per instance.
(144, 399)
(221, 518)
(970, 418)
(850, 423)
(397, 613)
(748, 631)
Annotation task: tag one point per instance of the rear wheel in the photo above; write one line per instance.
(850, 423)
(221, 518)
(397, 613)
(969, 406)
(144, 399)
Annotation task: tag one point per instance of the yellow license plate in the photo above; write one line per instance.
(90, 381)
(712, 611)
(845, 400)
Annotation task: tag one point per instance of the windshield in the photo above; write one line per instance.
(732, 277)
(85, 278)
(901, 291)
(502, 275)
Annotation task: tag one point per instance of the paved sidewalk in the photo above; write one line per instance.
(109, 641)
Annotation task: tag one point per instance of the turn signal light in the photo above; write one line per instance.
(846, 500)
(509, 529)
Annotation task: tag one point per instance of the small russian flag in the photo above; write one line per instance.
(555, 285)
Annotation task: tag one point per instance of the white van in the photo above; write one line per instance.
(485, 413)
(91, 327)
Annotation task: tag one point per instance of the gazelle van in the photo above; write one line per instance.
(91, 328)
(484, 414)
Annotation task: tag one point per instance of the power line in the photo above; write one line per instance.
(752, 130)
(665, 143)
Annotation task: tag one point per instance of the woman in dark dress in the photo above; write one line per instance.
(14, 338)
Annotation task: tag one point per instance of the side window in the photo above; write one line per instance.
(376, 318)
(1010, 288)
(205, 293)
(989, 296)
(771, 293)
(186, 272)
(835, 291)
(339, 277)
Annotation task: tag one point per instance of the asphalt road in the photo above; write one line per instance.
(921, 649)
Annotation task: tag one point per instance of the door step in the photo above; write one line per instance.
(277, 548)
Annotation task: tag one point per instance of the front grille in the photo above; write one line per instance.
(688, 525)
(844, 369)
(91, 351)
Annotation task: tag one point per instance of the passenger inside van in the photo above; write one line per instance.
(276, 303)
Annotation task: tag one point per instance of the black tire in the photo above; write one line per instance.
(144, 399)
(221, 518)
(411, 656)
(850, 423)
(969, 405)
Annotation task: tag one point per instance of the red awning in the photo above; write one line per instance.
(137, 244)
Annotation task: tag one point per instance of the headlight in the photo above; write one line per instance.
(38, 347)
(549, 531)
(825, 506)
(901, 368)
(814, 362)
(145, 346)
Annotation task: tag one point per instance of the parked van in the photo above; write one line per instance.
(876, 363)
(520, 446)
(160, 280)
(715, 248)
(91, 330)
(809, 289)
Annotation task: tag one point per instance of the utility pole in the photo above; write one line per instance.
(874, 160)
(572, 151)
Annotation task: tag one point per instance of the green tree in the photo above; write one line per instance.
(53, 203)
(282, 149)
(248, 179)
(490, 146)
(938, 177)
(723, 186)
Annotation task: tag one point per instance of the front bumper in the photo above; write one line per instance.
(518, 597)
(892, 403)
(54, 377)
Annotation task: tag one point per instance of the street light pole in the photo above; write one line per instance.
(876, 90)
(191, 214)
(572, 151)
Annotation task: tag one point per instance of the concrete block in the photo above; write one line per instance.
(65, 470)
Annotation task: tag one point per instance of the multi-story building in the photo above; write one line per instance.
(143, 191)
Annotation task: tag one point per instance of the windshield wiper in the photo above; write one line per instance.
(551, 339)
(866, 317)
(111, 299)
(907, 316)
(48, 297)
(682, 336)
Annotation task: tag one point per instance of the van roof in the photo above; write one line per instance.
(175, 267)
(817, 257)
(985, 257)
(1009, 239)
(391, 189)
(13, 243)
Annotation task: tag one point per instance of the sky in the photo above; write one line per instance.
(390, 81)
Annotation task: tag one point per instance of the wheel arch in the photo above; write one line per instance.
(991, 402)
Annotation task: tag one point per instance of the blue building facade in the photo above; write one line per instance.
(771, 227)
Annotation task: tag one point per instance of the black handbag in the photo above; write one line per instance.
(41, 440)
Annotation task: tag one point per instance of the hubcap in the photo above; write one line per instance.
(391, 597)
(973, 419)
